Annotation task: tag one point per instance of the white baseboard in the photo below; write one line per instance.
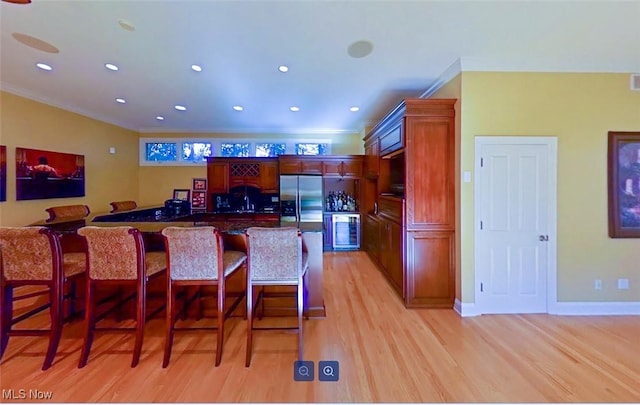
(465, 309)
(468, 309)
(596, 308)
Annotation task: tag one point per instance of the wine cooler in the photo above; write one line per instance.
(346, 231)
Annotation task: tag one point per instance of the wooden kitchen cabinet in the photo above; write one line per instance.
(244, 172)
(269, 177)
(342, 166)
(371, 236)
(295, 164)
(416, 244)
(217, 180)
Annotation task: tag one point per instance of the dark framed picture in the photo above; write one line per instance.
(199, 184)
(199, 200)
(181, 194)
(3, 173)
(46, 174)
(624, 184)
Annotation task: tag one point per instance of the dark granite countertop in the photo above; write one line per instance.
(149, 220)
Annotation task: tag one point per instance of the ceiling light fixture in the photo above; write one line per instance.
(160, 118)
(126, 25)
(44, 66)
(180, 107)
(354, 109)
(283, 68)
(196, 68)
(121, 100)
(111, 66)
(294, 108)
(238, 107)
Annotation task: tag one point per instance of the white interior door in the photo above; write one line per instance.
(515, 230)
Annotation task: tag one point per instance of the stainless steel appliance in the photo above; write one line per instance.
(300, 198)
(346, 231)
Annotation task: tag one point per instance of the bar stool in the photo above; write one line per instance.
(32, 256)
(120, 206)
(274, 257)
(116, 257)
(196, 257)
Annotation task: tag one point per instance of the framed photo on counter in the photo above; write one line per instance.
(199, 185)
(198, 200)
(181, 194)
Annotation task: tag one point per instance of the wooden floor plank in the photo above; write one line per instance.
(387, 354)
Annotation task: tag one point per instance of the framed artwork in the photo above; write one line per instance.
(624, 184)
(181, 194)
(198, 200)
(45, 174)
(3, 173)
(199, 184)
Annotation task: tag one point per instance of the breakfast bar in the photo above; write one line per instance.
(152, 220)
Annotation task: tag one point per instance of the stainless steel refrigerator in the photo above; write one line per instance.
(301, 198)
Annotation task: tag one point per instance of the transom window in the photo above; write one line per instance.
(188, 151)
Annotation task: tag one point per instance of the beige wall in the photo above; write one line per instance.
(30, 124)
(578, 109)
(157, 183)
(453, 89)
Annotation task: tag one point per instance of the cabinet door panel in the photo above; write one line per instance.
(290, 166)
(269, 178)
(430, 183)
(327, 233)
(332, 167)
(311, 166)
(352, 167)
(430, 269)
(218, 177)
(396, 249)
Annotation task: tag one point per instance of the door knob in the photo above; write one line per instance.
(543, 238)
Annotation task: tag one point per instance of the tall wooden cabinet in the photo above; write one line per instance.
(422, 132)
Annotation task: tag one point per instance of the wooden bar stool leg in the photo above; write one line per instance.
(6, 315)
(57, 315)
(168, 342)
(140, 322)
(249, 326)
(89, 324)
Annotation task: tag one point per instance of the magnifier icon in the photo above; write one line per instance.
(328, 370)
(303, 371)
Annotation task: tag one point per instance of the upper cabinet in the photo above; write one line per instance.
(371, 157)
(342, 166)
(226, 173)
(269, 176)
(217, 176)
(295, 164)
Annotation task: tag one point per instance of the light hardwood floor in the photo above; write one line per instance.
(386, 353)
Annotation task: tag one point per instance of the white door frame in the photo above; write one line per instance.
(552, 273)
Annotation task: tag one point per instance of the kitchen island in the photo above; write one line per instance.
(152, 220)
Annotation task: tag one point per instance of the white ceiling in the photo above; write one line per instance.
(240, 45)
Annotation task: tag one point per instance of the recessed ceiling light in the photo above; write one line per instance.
(120, 100)
(238, 107)
(160, 118)
(196, 68)
(111, 66)
(283, 68)
(180, 108)
(354, 109)
(294, 108)
(126, 25)
(44, 66)
(360, 49)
